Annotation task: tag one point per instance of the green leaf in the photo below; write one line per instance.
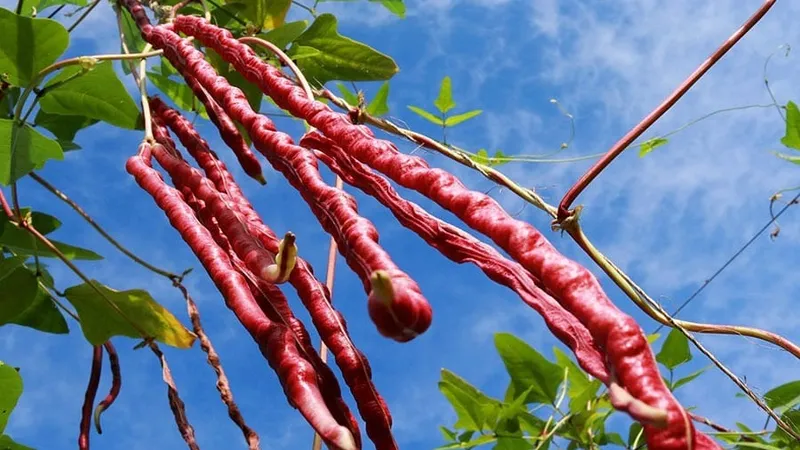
(444, 102)
(133, 38)
(18, 291)
(100, 321)
(29, 45)
(482, 157)
(458, 118)
(32, 151)
(650, 145)
(790, 158)
(62, 126)
(23, 243)
(8, 102)
(300, 52)
(97, 93)
(167, 69)
(675, 350)
(615, 438)
(285, 34)
(10, 391)
(396, 7)
(784, 397)
(340, 58)
(652, 338)
(467, 401)
(791, 418)
(688, 378)
(49, 3)
(527, 368)
(791, 138)
(447, 434)
(580, 388)
(6, 443)
(379, 104)
(347, 94)
(179, 93)
(635, 435)
(68, 146)
(512, 443)
(426, 115)
(43, 315)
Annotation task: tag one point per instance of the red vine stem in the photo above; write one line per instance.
(650, 119)
(88, 399)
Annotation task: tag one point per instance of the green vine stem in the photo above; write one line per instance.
(63, 197)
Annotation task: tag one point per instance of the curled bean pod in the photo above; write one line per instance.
(356, 237)
(88, 399)
(461, 247)
(116, 385)
(330, 324)
(274, 340)
(249, 257)
(629, 356)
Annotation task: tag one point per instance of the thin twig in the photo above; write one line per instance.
(175, 403)
(83, 16)
(63, 197)
(223, 386)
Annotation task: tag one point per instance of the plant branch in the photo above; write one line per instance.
(83, 16)
(175, 403)
(63, 197)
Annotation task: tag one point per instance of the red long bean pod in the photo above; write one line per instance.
(228, 132)
(461, 247)
(314, 295)
(248, 257)
(275, 341)
(356, 237)
(116, 385)
(88, 399)
(630, 358)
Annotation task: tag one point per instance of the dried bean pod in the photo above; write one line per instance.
(275, 341)
(629, 356)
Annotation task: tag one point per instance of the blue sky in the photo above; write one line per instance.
(669, 220)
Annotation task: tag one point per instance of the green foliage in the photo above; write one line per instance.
(444, 103)
(286, 33)
(28, 46)
(21, 242)
(791, 138)
(534, 407)
(179, 93)
(94, 92)
(337, 57)
(651, 144)
(31, 150)
(396, 7)
(10, 392)
(675, 350)
(482, 157)
(378, 106)
(100, 321)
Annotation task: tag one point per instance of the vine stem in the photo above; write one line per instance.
(175, 403)
(63, 197)
(576, 189)
(223, 385)
(25, 225)
(83, 16)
